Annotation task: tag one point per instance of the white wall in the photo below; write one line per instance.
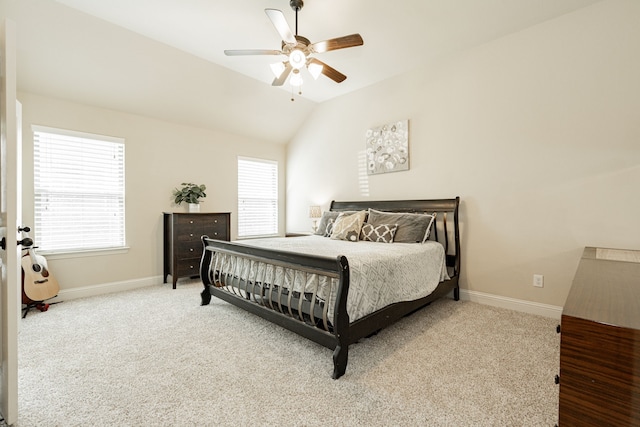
(158, 157)
(538, 132)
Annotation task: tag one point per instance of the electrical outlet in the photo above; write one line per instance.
(538, 280)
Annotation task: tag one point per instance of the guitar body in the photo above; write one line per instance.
(37, 282)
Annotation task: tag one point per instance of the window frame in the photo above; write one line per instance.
(274, 200)
(68, 252)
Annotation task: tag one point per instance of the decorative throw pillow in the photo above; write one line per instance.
(348, 226)
(324, 221)
(329, 228)
(380, 233)
(412, 227)
(430, 226)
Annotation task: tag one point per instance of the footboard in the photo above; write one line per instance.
(306, 294)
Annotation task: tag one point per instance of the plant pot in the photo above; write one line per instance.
(194, 208)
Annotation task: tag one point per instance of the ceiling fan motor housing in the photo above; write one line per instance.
(303, 44)
(296, 5)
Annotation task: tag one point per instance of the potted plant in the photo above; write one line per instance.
(190, 193)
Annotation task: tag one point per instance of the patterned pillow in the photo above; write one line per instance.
(324, 221)
(380, 233)
(412, 227)
(329, 228)
(348, 226)
(328, 216)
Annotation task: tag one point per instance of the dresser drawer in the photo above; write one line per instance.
(189, 249)
(217, 231)
(189, 234)
(188, 267)
(187, 220)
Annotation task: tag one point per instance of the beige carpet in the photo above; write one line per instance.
(155, 357)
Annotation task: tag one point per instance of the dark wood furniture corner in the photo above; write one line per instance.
(182, 243)
(600, 342)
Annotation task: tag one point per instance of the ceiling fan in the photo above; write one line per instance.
(299, 51)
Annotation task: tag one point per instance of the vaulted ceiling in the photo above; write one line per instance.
(164, 58)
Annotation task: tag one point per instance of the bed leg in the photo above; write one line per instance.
(340, 357)
(206, 296)
(456, 293)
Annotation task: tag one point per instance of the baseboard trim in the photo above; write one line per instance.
(105, 288)
(539, 309)
(466, 295)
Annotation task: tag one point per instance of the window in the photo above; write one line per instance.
(257, 197)
(78, 191)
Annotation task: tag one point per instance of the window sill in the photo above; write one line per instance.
(258, 237)
(83, 253)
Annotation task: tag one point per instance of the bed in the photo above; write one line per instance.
(336, 287)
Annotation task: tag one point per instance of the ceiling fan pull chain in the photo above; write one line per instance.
(292, 94)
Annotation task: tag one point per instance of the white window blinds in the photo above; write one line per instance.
(257, 197)
(78, 191)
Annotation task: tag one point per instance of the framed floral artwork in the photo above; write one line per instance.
(388, 148)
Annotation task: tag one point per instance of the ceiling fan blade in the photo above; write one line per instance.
(252, 52)
(330, 72)
(338, 43)
(279, 81)
(277, 19)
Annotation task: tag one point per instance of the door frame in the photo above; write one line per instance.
(10, 221)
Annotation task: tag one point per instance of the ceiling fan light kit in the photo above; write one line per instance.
(299, 51)
(297, 59)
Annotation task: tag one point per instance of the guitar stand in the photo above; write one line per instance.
(40, 305)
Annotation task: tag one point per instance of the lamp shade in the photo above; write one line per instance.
(296, 79)
(277, 68)
(315, 70)
(315, 212)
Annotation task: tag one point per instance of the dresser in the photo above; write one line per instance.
(600, 342)
(182, 244)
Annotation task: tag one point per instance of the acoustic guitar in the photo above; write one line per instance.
(37, 282)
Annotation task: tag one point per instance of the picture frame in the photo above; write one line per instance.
(387, 148)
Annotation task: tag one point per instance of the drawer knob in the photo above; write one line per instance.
(191, 235)
(215, 220)
(215, 234)
(191, 222)
(191, 250)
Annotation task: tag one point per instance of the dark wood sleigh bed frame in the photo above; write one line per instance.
(301, 316)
